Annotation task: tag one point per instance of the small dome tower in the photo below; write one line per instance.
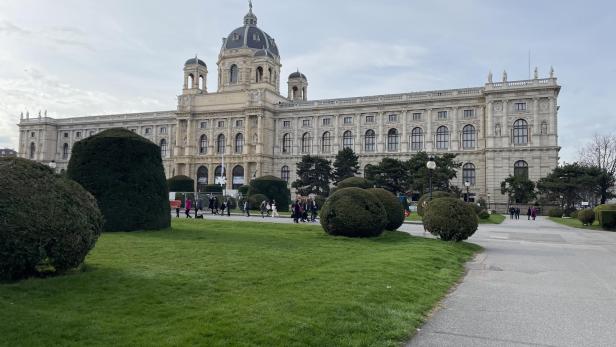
(195, 76)
(298, 86)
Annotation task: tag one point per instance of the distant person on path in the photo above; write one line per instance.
(222, 208)
(263, 208)
(211, 204)
(247, 208)
(313, 210)
(274, 209)
(529, 213)
(517, 213)
(511, 212)
(534, 213)
(187, 206)
(228, 208)
(177, 212)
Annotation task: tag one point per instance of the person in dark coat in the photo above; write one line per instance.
(313, 210)
(529, 213)
(297, 211)
(211, 204)
(247, 208)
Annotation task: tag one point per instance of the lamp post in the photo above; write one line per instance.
(467, 184)
(489, 208)
(431, 165)
(52, 166)
(562, 205)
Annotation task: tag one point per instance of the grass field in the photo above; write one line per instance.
(236, 284)
(574, 222)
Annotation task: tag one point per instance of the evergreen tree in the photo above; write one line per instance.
(446, 170)
(391, 174)
(314, 174)
(346, 165)
(519, 189)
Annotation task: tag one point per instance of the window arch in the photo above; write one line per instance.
(520, 132)
(468, 136)
(202, 178)
(369, 141)
(347, 139)
(393, 140)
(286, 143)
(416, 139)
(190, 80)
(270, 76)
(163, 148)
(32, 150)
(220, 144)
(468, 173)
(284, 173)
(326, 142)
(233, 74)
(295, 92)
(259, 75)
(65, 151)
(203, 144)
(520, 169)
(239, 143)
(442, 137)
(238, 177)
(544, 128)
(201, 82)
(306, 143)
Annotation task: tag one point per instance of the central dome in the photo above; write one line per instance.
(250, 36)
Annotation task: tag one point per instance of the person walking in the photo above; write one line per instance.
(211, 204)
(228, 208)
(517, 213)
(511, 212)
(263, 208)
(187, 206)
(177, 212)
(529, 212)
(533, 213)
(222, 208)
(274, 209)
(247, 207)
(297, 212)
(313, 210)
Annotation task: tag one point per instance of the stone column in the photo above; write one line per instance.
(429, 136)
(336, 119)
(260, 134)
(404, 141)
(358, 144)
(456, 131)
(380, 147)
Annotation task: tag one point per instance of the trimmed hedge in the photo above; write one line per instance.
(48, 223)
(393, 207)
(124, 172)
(574, 214)
(484, 214)
(608, 219)
(243, 190)
(423, 201)
(450, 219)
(274, 188)
(604, 207)
(181, 183)
(586, 216)
(353, 212)
(212, 188)
(357, 182)
(555, 212)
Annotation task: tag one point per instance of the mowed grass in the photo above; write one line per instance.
(215, 283)
(575, 223)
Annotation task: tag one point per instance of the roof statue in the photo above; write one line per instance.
(490, 76)
(536, 73)
(504, 75)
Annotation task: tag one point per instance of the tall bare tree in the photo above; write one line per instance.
(600, 152)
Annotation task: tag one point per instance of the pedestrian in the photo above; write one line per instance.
(313, 210)
(274, 209)
(529, 213)
(222, 208)
(263, 208)
(247, 208)
(177, 212)
(187, 206)
(211, 204)
(216, 205)
(297, 212)
(269, 209)
(534, 213)
(305, 208)
(511, 212)
(517, 213)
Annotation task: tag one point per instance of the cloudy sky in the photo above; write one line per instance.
(86, 57)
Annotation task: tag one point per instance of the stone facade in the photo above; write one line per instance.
(496, 129)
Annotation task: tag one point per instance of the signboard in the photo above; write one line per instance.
(171, 196)
(238, 179)
(202, 180)
(175, 203)
(585, 203)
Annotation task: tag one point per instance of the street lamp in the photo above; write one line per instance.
(52, 166)
(431, 165)
(467, 184)
(562, 205)
(489, 208)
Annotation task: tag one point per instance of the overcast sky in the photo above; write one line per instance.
(86, 57)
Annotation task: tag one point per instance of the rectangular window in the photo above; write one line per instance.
(520, 106)
(133, 130)
(221, 123)
(286, 124)
(163, 130)
(78, 134)
(65, 134)
(327, 121)
(469, 113)
(306, 122)
(393, 117)
(239, 123)
(203, 125)
(148, 131)
(442, 115)
(416, 116)
(369, 119)
(348, 120)
(32, 134)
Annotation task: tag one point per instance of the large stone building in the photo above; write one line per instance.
(497, 129)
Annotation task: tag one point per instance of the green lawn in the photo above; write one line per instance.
(574, 222)
(495, 218)
(236, 284)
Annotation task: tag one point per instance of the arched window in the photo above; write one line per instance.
(392, 140)
(520, 132)
(347, 139)
(203, 144)
(520, 169)
(259, 76)
(416, 139)
(163, 148)
(202, 178)
(201, 82)
(468, 173)
(286, 143)
(233, 74)
(32, 150)
(306, 143)
(238, 177)
(442, 137)
(294, 95)
(326, 142)
(239, 143)
(369, 141)
(269, 76)
(190, 80)
(65, 151)
(220, 144)
(468, 137)
(284, 173)
(544, 128)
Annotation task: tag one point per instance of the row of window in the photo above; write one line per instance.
(220, 144)
(234, 73)
(237, 179)
(239, 123)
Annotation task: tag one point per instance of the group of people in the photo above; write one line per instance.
(514, 212)
(301, 208)
(214, 206)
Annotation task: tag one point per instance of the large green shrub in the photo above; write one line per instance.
(484, 214)
(450, 219)
(555, 212)
(125, 174)
(357, 182)
(47, 222)
(243, 190)
(255, 201)
(608, 219)
(574, 214)
(424, 200)
(604, 207)
(353, 212)
(586, 216)
(181, 183)
(274, 188)
(212, 188)
(393, 207)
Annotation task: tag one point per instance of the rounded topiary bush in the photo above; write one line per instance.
(274, 188)
(450, 219)
(181, 183)
(357, 182)
(586, 216)
(243, 189)
(255, 201)
(604, 207)
(555, 212)
(425, 199)
(393, 207)
(353, 212)
(48, 223)
(484, 214)
(125, 174)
